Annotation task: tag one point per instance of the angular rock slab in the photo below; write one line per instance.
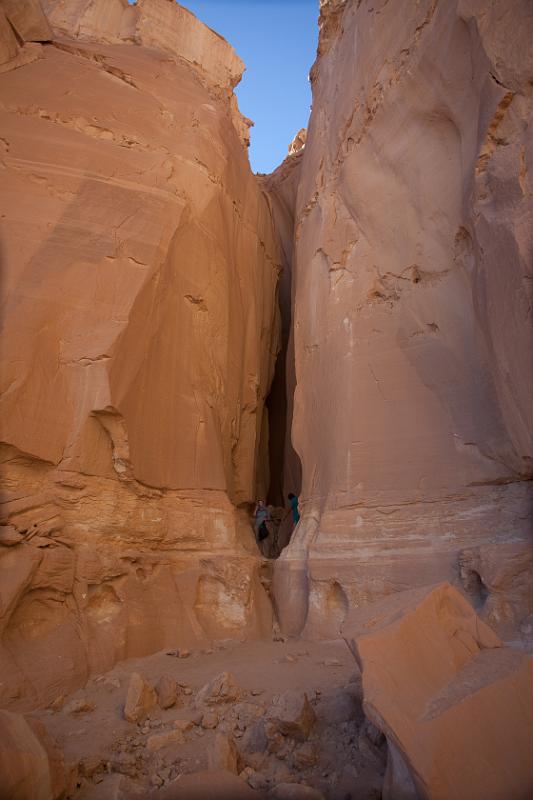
(167, 691)
(224, 755)
(28, 19)
(292, 715)
(31, 765)
(221, 689)
(140, 699)
(456, 706)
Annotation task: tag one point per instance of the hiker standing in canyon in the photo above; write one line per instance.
(293, 501)
(262, 517)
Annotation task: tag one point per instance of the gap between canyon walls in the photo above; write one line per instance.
(284, 464)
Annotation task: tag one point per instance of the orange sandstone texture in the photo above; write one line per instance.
(456, 706)
(140, 335)
(31, 764)
(412, 313)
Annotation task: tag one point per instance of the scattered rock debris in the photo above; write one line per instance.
(270, 714)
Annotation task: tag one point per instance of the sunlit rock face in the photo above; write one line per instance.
(140, 336)
(438, 682)
(413, 326)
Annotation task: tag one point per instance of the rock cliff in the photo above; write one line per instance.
(140, 336)
(412, 312)
(141, 329)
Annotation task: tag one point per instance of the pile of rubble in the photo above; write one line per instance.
(438, 707)
(293, 746)
(295, 741)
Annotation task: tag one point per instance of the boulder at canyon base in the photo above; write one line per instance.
(455, 705)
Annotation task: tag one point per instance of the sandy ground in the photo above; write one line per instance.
(343, 758)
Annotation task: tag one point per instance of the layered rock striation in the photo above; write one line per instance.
(141, 329)
(412, 313)
(140, 337)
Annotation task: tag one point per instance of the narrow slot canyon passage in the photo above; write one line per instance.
(285, 471)
(184, 337)
(284, 463)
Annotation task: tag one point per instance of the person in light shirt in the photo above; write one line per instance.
(261, 517)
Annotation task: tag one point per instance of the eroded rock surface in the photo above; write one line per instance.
(31, 765)
(412, 310)
(142, 332)
(455, 705)
(140, 340)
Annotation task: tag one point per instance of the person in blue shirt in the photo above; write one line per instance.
(293, 500)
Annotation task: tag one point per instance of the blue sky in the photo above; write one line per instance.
(277, 41)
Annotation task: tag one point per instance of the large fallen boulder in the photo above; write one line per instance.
(291, 714)
(455, 705)
(224, 755)
(27, 19)
(31, 764)
(221, 689)
(140, 699)
(167, 691)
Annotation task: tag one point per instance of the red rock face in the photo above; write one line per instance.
(141, 261)
(31, 763)
(438, 683)
(139, 344)
(412, 322)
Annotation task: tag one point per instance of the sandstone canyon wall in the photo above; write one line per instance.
(141, 328)
(140, 333)
(413, 312)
